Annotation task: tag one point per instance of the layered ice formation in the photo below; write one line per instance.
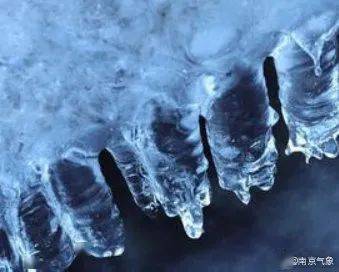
(133, 77)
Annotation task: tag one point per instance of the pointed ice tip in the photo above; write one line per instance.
(115, 252)
(118, 251)
(266, 186)
(287, 152)
(192, 220)
(194, 232)
(243, 196)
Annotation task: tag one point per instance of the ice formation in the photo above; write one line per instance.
(133, 77)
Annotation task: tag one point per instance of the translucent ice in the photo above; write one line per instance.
(308, 75)
(239, 124)
(46, 246)
(133, 77)
(173, 156)
(130, 163)
(82, 193)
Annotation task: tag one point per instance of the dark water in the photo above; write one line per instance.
(297, 217)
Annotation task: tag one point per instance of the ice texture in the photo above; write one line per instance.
(6, 253)
(134, 77)
(239, 126)
(46, 245)
(83, 194)
(308, 78)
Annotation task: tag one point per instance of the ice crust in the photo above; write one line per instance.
(133, 77)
